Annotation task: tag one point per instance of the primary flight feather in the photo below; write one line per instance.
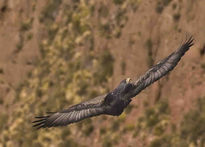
(114, 102)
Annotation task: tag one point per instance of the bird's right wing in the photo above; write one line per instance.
(73, 114)
(161, 68)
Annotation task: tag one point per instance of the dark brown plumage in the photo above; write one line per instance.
(114, 102)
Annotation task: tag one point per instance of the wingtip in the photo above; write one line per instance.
(189, 41)
(186, 45)
(40, 122)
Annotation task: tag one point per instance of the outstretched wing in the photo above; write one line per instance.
(73, 114)
(162, 67)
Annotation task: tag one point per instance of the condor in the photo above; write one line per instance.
(117, 100)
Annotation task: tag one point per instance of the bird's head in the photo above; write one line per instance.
(122, 90)
(125, 81)
(125, 85)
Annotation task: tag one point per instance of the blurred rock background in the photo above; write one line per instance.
(55, 53)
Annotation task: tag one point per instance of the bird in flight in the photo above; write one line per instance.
(117, 100)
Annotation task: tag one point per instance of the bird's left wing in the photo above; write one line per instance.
(73, 114)
(161, 68)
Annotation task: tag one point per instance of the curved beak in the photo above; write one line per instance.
(128, 80)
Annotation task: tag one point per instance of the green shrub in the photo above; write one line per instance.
(149, 46)
(118, 2)
(176, 17)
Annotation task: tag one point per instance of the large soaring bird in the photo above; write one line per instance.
(114, 102)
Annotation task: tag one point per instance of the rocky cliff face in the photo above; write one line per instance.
(58, 53)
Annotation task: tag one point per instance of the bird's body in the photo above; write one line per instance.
(117, 100)
(114, 102)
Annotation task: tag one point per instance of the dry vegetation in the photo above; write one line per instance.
(85, 48)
